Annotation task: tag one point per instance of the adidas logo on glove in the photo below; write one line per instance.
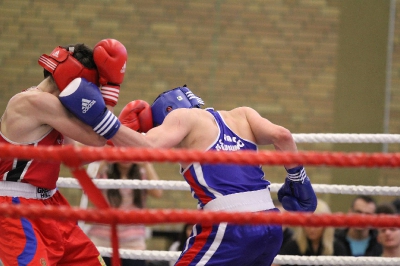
(87, 104)
(123, 68)
(84, 100)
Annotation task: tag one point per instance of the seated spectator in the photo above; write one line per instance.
(360, 241)
(314, 241)
(130, 236)
(287, 231)
(396, 204)
(388, 237)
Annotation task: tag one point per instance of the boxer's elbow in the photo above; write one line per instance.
(283, 135)
(283, 138)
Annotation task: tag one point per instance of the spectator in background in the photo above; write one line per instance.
(180, 244)
(360, 241)
(396, 204)
(132, 236)
(388, 237)
(314, 241)
(287, 231)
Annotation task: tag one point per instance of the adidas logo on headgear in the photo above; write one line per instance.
(55, 54)
(87, 104)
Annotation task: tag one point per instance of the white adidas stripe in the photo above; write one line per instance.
(47, 62)
(110, 89)
(191, 96)
(111, 98)
(106, 124)
(109, 93)
(298, 177)
(112, 123)
(101, 125)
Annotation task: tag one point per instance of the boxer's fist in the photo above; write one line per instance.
(137, 116)
(297, 194)
(84, 100)
(110, 57)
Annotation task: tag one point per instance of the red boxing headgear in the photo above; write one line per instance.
(65, 68)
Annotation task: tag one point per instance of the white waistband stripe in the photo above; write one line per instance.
(251, 201)
(24, 190)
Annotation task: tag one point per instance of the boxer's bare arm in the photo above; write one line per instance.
(168, 135)
(267, 133)
(30, 115)
(54, 114)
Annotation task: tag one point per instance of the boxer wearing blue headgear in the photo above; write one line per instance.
(223, 187)
(167, 101)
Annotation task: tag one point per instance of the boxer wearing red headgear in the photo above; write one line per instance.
(64, 67)
(36, 117)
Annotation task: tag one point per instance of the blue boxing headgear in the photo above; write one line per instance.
(167, 101)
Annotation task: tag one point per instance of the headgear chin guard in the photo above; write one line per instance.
(167, 101)
(65, 68)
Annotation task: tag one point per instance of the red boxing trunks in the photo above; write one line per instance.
(43, 241)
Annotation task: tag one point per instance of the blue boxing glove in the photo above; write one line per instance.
(297, 194)
(84, 100)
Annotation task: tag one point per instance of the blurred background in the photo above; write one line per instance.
(313, 66)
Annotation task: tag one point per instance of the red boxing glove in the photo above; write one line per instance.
(137, 116)
(110, 57)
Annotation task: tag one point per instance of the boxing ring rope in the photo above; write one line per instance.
(74, 157)
(280, 259)
(69, 182)
(346, 138)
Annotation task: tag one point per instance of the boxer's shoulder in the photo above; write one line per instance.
(30, 98)
(189, 115)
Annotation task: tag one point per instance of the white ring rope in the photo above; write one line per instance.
(346, 138)
(68, 182)
(279, 259)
